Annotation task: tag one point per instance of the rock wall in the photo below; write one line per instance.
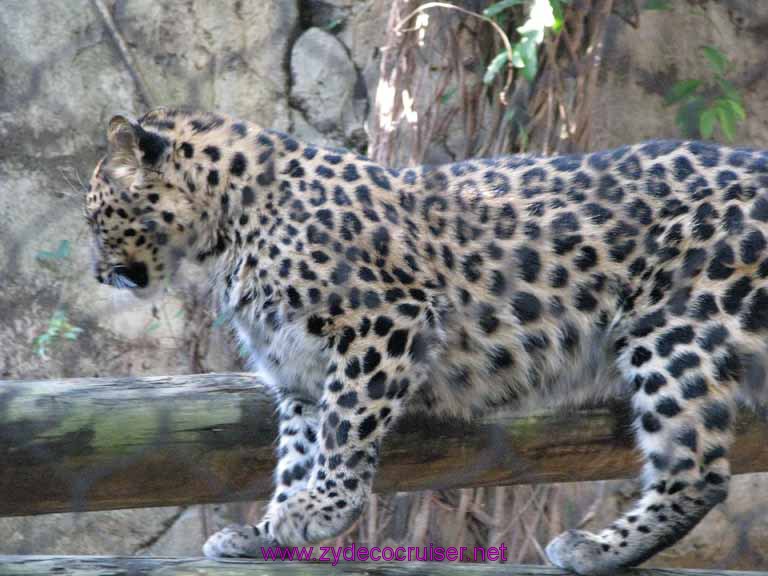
(642, 63)
(281, 63)
(304, 67)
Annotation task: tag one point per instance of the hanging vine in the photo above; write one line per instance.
(514, 77)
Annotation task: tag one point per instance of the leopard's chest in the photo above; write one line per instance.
(279, 350)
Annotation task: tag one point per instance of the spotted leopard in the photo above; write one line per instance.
(362, 292)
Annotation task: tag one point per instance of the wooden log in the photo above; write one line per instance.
(138, 566)
(96, 444)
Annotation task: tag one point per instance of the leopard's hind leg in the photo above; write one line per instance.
(684, 375)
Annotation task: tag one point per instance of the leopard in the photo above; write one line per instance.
(362, 293)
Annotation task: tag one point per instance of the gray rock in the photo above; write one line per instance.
(117, 532)
(61, 79)
(330, 16)
(324, 83)
(181, 536)
(364, 33)
(214, 55)
(304, 130)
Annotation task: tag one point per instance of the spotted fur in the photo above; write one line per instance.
(361, 292)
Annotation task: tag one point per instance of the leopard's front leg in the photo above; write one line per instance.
(373, 373)
(296, 450)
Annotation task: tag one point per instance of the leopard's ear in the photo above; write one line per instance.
(132, 146)
(123, 140)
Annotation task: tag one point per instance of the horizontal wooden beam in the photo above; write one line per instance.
(106, 443)
(138, 566)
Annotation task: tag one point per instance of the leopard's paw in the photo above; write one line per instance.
(582, 552)
(307, 517)
(237, 541)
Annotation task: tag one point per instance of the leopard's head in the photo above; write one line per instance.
(138, 211)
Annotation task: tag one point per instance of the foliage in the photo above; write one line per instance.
(62, 252)
(334, 25)
(543, 15)
(706, 104)
(658, 5)
(59, 327)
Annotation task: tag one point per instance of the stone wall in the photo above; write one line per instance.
(305, 67)
(642, 63)
(63, 77)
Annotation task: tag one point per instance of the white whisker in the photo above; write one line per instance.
(126, 283)
(76, 191)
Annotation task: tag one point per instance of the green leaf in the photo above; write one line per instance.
(45, 255)
(499, 7)
(728, 89)
(559, 13)
(727, 119)
(62, 251)
(688, 115)
(58, 327)
(717, 60)
(522, 137)
(154, 325)
(448, 94)
(658, 5)
(495, 67)
(682, 90)
(334, 24)
(525, 56)
(531, 65)
(41, 350)
(736, 107)
(707, 123)
(503, 18)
